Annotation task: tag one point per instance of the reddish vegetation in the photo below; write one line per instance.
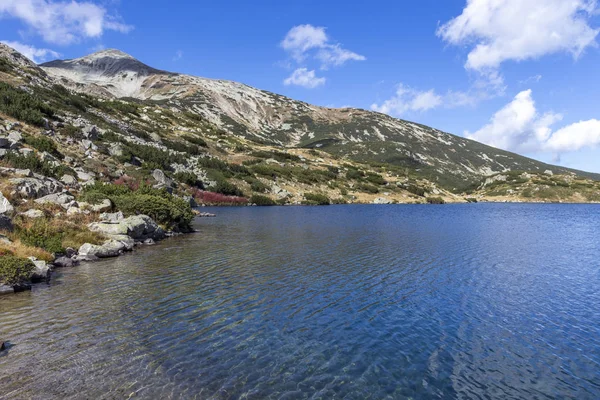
(130, 182)
(204, 197)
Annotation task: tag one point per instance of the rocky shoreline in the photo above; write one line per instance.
(122, 235)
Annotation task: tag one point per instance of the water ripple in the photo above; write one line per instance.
(466, 302)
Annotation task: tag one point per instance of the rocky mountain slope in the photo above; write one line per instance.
(268, 118)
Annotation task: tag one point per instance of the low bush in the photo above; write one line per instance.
(195, 140)
(228, 189)
(366, 188)
(261, 200)
(41, 234)
(23, 106)
(212, 198)
(158, 204)
(188, 178)
(15, 270)
(316, 199)
(42, 143)
(32, 162)
(435, 200)
(376, 179)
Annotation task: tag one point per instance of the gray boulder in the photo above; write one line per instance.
(42, 270)
(35, 187)
(382, 200)
(111, 248)
(64, 200)
(15, 136)
(112, 217)
(103, 206)
(33, 213)
(64, 262)
(5, 206)
(6, 223)
(90, 132)
(69, 180)
(4, 143)
(138, 227)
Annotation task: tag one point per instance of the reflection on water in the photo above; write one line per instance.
(461, 301)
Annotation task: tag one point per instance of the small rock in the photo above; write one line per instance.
(4, 289)
(548, 172)
(112, 217)
(64, 200)
(15, 136)
(104, 206)
(64, 262)
(33, 213)
(68, 180)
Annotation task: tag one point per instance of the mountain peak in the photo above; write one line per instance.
(112, 53)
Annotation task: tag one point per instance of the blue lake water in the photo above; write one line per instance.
(470, 301)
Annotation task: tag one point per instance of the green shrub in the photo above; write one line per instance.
(15, 270)
(353, 173)
(227, 188)
(32, 162)
(261, 200)
(276, 155)
(435, 200)
(43, 235)
(23, 106)
(414, 189)
(42, 143)
(195, 140)
(191, 149)
(158, 204)
(365, 187)
(376, 179)
(316, 199)
(189, 178)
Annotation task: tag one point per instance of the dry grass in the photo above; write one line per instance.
(21, 250)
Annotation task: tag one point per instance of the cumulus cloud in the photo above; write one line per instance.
(34, 54)
(305, 41)
(305, 78)
(501, 30)
(407, 99)
(519, 127)
(63, 22)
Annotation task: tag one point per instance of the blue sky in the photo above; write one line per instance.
(517, 74)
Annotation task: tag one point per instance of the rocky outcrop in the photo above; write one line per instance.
(138, 227)
(65, 200)
(36, 186)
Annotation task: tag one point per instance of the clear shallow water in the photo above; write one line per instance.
(459, 301)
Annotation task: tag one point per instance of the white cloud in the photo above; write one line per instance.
(519, 127)
(501, 30)
(304, 41)
(62, 22)
(34, 54)
(178, 55)
(305, 78)
(575, 137)
(406, 99)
